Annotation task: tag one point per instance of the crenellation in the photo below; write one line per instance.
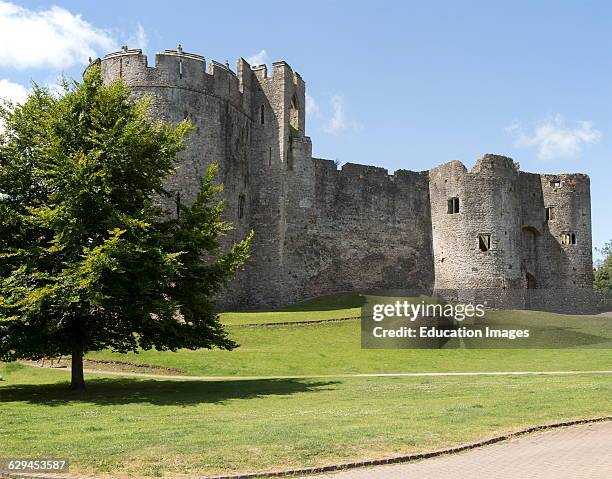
(177, 69)
(260, 71)
(321, 229)
(282, 68)
(357, 170)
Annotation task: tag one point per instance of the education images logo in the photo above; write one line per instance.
(409, 323)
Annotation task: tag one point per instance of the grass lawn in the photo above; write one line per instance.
(345, 305)
(335, 347)
(128, 427)
(134, 428)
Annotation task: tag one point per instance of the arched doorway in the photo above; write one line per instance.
(530, 281)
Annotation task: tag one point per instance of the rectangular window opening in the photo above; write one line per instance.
(484, 242)
(568, 238)
(549, 213)
(453, 206)
(555, 183)
(262, 115)
(270, 157)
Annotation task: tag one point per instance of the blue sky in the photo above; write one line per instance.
(398, 84)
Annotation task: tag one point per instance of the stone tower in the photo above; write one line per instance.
(498, 228)
(476, 222)
(250, 123)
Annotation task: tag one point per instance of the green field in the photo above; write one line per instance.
(132, 427)
(335, 347)
(346, 305)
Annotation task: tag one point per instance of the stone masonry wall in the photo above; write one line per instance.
(320, 229)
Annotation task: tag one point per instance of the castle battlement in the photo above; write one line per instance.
(365, 173)
(180, 69)
(321, 229)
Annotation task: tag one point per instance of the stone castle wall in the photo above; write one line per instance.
(320, 229)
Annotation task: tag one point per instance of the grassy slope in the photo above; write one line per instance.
(334, 348)
(131, 428)
(347, 305)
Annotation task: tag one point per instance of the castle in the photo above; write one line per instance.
(320, 229)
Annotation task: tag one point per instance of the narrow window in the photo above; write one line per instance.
(180, 68)
(289, 160)
(453, 206)
(178, 204)
(240, 206)
(294, 114)
(555, 183)
(262, 115)
(549, 213)
(270, 157)
(568, 238)
(484, 242)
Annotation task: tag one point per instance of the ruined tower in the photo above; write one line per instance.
(498, 228)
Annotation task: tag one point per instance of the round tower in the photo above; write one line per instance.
(476, 228)
(567, 253)
(218, 104)
(181, 89)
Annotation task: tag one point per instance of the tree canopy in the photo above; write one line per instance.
(89, 258)
(603, 273)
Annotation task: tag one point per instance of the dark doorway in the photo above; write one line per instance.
(531, 281)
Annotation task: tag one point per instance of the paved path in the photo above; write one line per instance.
(575, 452)
(318, 376)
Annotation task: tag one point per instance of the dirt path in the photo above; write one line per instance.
(317, 376)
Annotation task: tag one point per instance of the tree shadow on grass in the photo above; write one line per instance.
(102, 392)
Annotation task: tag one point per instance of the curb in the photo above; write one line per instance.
(358, 464)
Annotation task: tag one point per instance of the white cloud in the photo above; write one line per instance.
(51, 38)
(339, 121)
(259, 58)
(312, 108)
(139, 39)
(13, 92)
(555, 138)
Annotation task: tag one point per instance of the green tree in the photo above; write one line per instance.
(603, 273)
(88, 257)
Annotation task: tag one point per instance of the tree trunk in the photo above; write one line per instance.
(77, 379)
